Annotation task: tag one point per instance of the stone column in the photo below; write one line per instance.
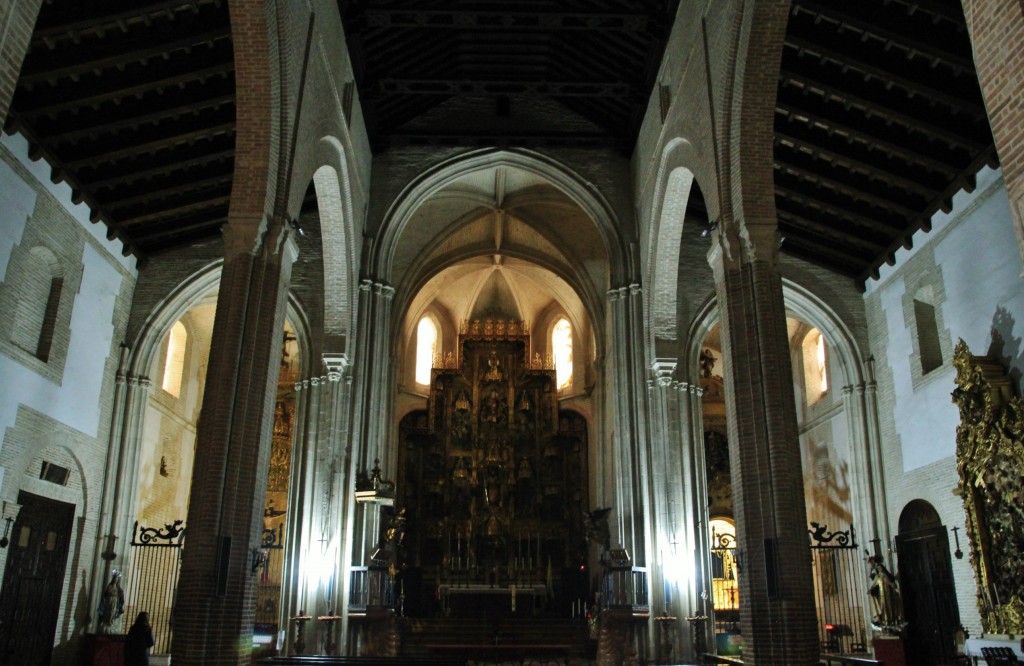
(997, 39)
(777, 612)
(629, 413)
(117, 501)
(215, 601)
(670, 524)
(697, 516)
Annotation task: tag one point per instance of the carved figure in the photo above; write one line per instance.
(111, 604)
(494, 373)
(493, 408)
(707, 362)
(887, 614)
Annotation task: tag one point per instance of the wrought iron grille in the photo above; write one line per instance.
(725, 591)
(152, 580)
(371, 587)
(268, 590)
(837, 589)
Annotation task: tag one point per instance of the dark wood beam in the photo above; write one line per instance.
(872, 141)
(871, 171)
(820, 180)
(122, 55)
(393, 86)
(180, 187)
(65, 101)
(913, 88)
(878, 30)
(914, 123)
(152, 146)
(827, 256)
(94, 23)
(503, 21)
(887, 230)
(833, 233)
(129, 223)
(134, 121)
(163, 167)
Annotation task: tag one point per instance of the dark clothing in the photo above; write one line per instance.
(136, 651)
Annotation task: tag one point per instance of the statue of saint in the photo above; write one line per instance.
(885, 596)
(111, 604)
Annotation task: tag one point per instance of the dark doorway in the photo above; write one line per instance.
(926, 582)
(34, 580)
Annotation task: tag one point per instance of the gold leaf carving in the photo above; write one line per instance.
(989, 452)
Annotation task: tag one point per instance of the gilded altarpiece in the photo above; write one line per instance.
(989, 453)
(493, 476)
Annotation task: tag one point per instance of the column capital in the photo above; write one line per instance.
(336, 364)
(663, 369)
(615, 294)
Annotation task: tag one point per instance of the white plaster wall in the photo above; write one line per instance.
(19, 200)
(74, 402)
(62, 193)
(975, 249)
(979, 270)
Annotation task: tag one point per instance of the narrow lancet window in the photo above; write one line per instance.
(174, 365)
(426, 345)
(561, 351)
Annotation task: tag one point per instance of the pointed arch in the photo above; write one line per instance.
(332, 181)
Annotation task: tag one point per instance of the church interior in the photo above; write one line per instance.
(614, 332)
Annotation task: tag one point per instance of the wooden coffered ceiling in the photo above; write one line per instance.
(879, 120)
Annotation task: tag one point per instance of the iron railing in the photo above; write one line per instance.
(152, 580)
(837, 596)
(371, 587)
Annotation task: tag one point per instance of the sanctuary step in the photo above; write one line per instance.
(509, 638)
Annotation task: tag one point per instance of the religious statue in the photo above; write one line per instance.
(887, 614)
(707, 362)
(494, 373)
(111, 604)
(493, 408)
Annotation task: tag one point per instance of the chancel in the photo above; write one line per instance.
(620, 332)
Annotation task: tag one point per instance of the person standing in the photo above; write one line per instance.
(140, 639)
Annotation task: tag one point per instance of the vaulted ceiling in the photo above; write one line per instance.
(879, 120)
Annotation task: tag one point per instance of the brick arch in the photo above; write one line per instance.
(257, 137)
(996, 30)
(677, 173)
(334, 201)
(751, 134)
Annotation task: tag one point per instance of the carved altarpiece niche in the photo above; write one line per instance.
(493, 476)
(990, 453)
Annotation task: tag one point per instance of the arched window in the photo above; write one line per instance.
(724, 574)
(36, 313)
(174, 364)
(426, 345)
(815, 360)
(561, 351)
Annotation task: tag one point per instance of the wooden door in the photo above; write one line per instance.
(929, 596)
(34, 580)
